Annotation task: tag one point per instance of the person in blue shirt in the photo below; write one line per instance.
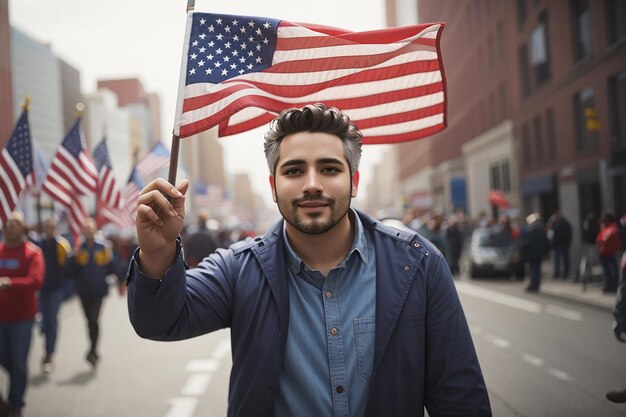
(331, 312)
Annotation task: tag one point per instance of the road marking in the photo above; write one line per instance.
(498, 297)
(533, 360)
(517, 302)
(202, 365)
(182, 407)
(566, 313)
(498, 341)
(563, 376)
(196, 384)
(221, 350)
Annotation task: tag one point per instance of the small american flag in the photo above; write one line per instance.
(72, 174)
(157, 158)
(107, 190)
(41, 168)
(125, 216)
(16, 163)
(240, 71)
(208, 194)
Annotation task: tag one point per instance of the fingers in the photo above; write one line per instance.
(157, 202)
(178, 203)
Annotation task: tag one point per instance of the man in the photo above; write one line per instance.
(609, 244)
(560, 233)
(619, 325)
(200, 241)
(93, 262)
(331, 312)
(21, 275)
(57, 252)
(535, 246)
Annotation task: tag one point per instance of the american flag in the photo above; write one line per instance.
(125, 216)
(157, 158)
(239, 71)
(107, 190)
(40, 170)
(208, 194)
(72, 174)
(16, 163)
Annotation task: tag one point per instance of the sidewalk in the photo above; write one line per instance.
(574, 291)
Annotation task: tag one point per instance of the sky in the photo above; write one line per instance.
(143, 39)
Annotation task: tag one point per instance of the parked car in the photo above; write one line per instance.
(492, 251)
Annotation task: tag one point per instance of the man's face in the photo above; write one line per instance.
(312, 186)
(13, 230)
(89, 230)
(49, 228)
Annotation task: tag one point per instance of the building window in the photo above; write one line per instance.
(538, 139)
(499, 176)
(586, 119)
(521, 13)
(617, 110)
(550, 135)
(526, 144)
(524, 70)
(581, 29)
(539, 52)
(615, 20)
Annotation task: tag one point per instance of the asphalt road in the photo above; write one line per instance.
(540, 357)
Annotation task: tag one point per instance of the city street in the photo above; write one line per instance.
(541, 356)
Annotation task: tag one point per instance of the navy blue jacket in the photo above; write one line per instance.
(424, 355)
(57, 253)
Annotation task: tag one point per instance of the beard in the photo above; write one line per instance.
(318, 222)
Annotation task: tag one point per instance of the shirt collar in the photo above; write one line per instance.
(359, 245)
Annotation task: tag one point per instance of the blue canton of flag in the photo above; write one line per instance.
(101, 156)
(20, 148)
(74, 141)
(224, 46)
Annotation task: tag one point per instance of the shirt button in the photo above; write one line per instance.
(328, 294)
(339, 389)
(306, 268)
(334, 331)
(406, 267)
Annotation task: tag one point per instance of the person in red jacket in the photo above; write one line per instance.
(21, 275)
(609, 244)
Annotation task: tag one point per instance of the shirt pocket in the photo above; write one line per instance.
(365, 332)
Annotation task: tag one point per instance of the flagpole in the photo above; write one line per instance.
(171, 177)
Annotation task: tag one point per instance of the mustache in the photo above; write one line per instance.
(313, 198)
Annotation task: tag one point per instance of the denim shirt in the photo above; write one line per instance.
(329, 352)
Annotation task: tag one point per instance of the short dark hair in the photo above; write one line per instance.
(313, 118)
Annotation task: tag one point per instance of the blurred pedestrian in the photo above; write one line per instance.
(314, 329)
(92, 264)
(21, 275)
(619, 325)
(454, 239)
(200, 241)
(560, 233)
(609, 244)
(432, 230)
(535, 247)
(57, 253)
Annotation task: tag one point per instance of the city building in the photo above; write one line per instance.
(6, 98)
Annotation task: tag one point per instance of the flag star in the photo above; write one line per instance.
(219, 51)
(251, 39)
(201, 50)
(211, 44)
(241, 71)
(258, 47)
(233, 66)
(227, 29)
(266, 41)
(242, 60)
(235, 22)
(258, 31)
(249, 66)
(267, 25)
(202, 36)
(242, 29)
(211, 28)
(194, 43)
(258, 59)
(192, 71)
(193, 56)
(251, 23)
(209, 71)
(209, 57)
(244, 46)
(202, 21)
(250, 53)
(218, 21)
(201, 63)
(219, 37)
(227, 45)
(224, 72)
(218, 64)
(226, 58)
(236, 38)
(235, 52)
